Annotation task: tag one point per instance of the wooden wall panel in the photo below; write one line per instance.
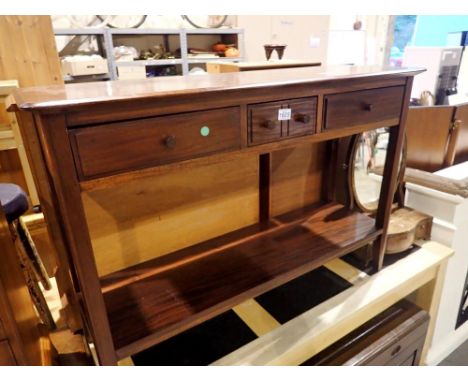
(11, 170)
(181, 208)
(27, 51)
(28, 55)
(296, 177)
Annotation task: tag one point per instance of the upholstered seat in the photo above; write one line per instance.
(13, 201)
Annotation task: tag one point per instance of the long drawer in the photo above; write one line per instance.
(130, 145)
(363, 107)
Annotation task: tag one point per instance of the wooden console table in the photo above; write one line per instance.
(175, 199)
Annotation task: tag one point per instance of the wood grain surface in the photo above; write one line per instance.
(147, 258)
(104, 92)
(27, 51)
(154, 216)
(362, 107)
(296, 177)
(461, 148)
(112, 148)
(174, 298)
(427, 132)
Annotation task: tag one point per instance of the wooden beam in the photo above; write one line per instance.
(256, 317)
(311, 332)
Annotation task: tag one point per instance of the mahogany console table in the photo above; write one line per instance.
(171, 200)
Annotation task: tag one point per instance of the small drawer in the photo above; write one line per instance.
(266, 125)
(404, 346)
(363, 107)
(117, 147)
(6, 355)
(303, 117)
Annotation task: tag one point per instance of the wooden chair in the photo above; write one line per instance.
(461, 125)
(14, 202)
(428, 131)
(437, 136)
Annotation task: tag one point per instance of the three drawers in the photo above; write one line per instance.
(129, 145)
(363, 107)
(272, 121)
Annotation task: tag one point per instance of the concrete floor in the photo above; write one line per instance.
(459, 357)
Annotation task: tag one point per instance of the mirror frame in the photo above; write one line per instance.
(398, 185)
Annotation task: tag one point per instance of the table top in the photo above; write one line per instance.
(57, 96)
(271, 64)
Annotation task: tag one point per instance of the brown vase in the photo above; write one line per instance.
(268, 50)
(280, 50)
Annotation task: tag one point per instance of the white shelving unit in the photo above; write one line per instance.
(109, 35)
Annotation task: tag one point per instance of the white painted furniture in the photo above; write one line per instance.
(450, 227)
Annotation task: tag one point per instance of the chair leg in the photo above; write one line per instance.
(36, 294)
(33, 256)
(29, 274)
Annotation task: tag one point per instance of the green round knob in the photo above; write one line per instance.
(205, 131)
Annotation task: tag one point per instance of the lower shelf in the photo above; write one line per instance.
(155, 300)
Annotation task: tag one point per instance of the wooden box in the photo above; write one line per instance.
(131, 72)
(84, 68)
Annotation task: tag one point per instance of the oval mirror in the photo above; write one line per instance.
(368, 160)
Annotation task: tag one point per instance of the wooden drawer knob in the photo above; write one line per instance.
(170, 142)
(304, 118)
(368, 106)
(269, 124)
(396, 350)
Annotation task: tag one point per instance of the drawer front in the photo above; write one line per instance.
(363, 107)
(406, 358)
(402, 348)
(122, 146)
(303, 117)
(6, 355)
(266, 125)
(410, 361)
